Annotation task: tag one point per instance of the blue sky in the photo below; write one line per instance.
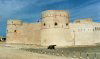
(30, 10)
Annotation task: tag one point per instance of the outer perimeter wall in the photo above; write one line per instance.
(19, 32)
(54, 29)
(85, 33)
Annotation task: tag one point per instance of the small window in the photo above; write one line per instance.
(44, 24)
(56, 24)
(14, 30)
(66, 24)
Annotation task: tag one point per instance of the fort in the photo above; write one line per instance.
(54, 29)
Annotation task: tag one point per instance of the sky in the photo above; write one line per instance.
(30, 10)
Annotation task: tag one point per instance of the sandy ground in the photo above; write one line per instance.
(13, 53)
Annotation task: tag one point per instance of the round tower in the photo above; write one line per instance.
(55, 28)
(55, 18)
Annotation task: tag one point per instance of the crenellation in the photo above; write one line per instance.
(54, 13)
(14, 22)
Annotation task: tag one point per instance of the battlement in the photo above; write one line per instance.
(14, 22)
(83, 20)
(53, 13)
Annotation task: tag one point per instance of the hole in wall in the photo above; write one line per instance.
(56, 24)
(15, 31)
(66, 24)
(44, 24)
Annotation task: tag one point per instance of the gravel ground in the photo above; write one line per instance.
(13, 53)
(20, 51)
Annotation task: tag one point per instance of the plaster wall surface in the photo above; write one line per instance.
(54, 29)
(23, 33)
(85, 34)
(56, 36)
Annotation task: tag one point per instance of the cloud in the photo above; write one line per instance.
(33, 10)
(30, 10)
(87, 10)
(8, 7)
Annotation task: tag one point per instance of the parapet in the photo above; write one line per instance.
(51, 13)
(83, 20)
(14, 22)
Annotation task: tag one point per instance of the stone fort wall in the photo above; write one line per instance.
(84, 33)
(54, 29)
(20, 32)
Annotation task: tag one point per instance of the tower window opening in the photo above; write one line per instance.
(56, 24)
(66, 24)
(44, 24)
(15, 31)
